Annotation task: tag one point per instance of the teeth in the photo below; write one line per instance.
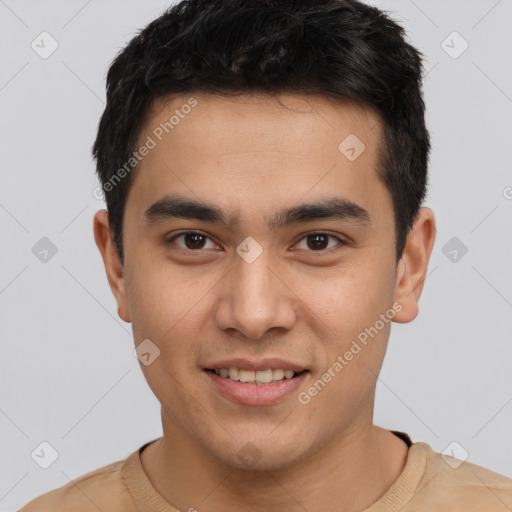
(246, 375)
(256, 377)
(278, 374)
(264, 376)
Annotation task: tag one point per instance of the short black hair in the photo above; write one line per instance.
(340, 49)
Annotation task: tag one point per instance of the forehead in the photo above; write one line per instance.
(255, 148)
(305, 115)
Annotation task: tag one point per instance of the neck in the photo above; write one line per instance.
(349, 474)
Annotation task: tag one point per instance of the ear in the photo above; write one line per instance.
(412, 267)
(112, 262)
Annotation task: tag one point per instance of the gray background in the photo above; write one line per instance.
(68, 375)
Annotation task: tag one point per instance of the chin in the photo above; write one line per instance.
(266, 454)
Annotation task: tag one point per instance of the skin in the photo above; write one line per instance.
(252, 156)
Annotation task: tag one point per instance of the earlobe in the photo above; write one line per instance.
(112, 263)
(412, 267)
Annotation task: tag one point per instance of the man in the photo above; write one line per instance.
(264, 165)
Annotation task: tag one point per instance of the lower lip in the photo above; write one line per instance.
(256, 394)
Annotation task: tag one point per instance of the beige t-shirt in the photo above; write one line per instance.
(426, 484)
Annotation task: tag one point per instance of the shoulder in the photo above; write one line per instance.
(453, 484)
(101, 489)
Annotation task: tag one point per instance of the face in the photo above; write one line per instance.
(254, 242)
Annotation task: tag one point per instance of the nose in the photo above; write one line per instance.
(254, 299)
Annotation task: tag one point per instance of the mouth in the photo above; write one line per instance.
(256, 377)
(256, 386)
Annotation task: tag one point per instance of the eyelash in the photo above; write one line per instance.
(341, 242)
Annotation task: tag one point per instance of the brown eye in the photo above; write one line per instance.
(319, 242)
(192, 240)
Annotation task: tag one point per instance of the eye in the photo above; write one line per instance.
(314, 242)
(192, 240)
(319, 241)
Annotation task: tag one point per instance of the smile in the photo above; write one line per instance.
(255, 387)
(255, 377)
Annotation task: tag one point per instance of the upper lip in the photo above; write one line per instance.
(260, 364)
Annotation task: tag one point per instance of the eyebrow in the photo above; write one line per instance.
(175, 206)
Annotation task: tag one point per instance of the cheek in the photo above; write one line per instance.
(164, 298)
(167, 309)
(347, 307)
(348, 299)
